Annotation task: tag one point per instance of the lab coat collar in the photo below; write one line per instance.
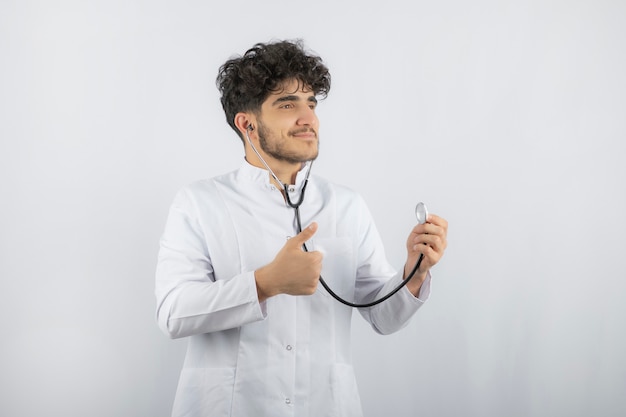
(262, 176)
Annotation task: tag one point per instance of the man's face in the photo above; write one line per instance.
(288, 125)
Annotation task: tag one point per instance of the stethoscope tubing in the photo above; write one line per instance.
(337, 297)
(296, 207)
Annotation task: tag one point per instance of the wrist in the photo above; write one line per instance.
(415, 284)
(261, 277)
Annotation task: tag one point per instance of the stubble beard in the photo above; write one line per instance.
(277, 150)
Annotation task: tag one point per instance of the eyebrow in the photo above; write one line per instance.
(282, 99)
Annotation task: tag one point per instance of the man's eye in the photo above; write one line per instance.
(287, 106)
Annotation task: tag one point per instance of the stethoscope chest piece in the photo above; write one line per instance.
(421, 213)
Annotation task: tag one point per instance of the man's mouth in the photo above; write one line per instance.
(304, 134)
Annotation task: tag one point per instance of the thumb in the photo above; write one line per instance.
(304, 235)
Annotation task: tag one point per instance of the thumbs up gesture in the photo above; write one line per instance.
(293, 271)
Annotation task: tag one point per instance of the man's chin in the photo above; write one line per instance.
(312, 157)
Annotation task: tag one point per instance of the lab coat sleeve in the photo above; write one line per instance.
(189, 298)
(376, 278)
(395, 313)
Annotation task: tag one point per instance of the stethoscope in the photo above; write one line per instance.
(421, 213)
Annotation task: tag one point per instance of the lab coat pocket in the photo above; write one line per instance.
(338, 268)
(204, 392)
(344, 391)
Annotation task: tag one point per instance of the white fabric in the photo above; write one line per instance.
(290, 355)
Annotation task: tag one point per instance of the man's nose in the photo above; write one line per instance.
(307, 117)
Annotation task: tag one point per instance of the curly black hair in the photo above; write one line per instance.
(246, 81)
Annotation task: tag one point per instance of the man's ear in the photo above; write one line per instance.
(244, 122)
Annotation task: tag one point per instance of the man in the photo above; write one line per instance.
(232, 275)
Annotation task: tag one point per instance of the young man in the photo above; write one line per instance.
(264, 338)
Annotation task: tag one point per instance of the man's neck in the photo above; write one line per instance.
(285, 171)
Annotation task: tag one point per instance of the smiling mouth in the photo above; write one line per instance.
(305, 134)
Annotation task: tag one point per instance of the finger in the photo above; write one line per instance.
(429, 229)
(426, 228)
(433, 241)
(431, 258)
(316, 256)
(304, 235)
(439, 221)
(424, 239)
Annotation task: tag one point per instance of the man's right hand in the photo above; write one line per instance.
(293, 271)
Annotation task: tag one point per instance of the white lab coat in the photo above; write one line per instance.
(287, 356)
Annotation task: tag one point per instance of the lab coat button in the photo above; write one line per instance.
(287, 401)
(288, 347)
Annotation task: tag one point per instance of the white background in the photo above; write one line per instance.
(508, 118)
